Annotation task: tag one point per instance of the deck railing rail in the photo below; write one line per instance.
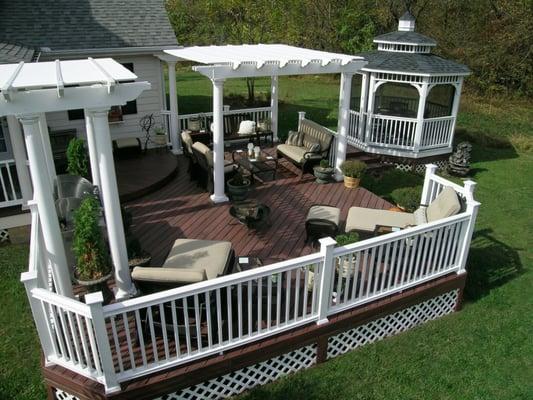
(10, 193)
(135, 337)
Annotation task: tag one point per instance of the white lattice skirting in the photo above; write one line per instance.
(264, 372)
(393, 324)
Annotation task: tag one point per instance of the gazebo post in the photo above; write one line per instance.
(110, 198)
(362, 107)
(19, 154)
(423, 94)
(47, 147)
(370, 106)
(455, 108)
(344, 122)
(53, 240)
(274, 106)
(93, 153)
(218, 195)
(174, 121)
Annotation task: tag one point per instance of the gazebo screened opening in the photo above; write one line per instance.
(396, 99)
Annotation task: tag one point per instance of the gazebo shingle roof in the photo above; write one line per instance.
(421, 63)
(405, 37)
(89, 24)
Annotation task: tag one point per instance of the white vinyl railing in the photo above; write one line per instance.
(10, 193)
(391, 131)
(135, 337)
(437, 132)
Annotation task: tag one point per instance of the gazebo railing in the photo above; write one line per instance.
(391, 131)
(10, 193)
(437, 132)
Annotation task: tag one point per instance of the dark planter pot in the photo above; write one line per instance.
(97, 285)
(323, 175)
(238, 192)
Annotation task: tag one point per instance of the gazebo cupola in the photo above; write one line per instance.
(405, 100)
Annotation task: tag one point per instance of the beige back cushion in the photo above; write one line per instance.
(445, 205)
(314, 132)
(203, 149)
(187, 140)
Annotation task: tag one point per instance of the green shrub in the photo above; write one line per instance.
(353, 168)
(77, 162)
(88, 246)
(347, 238)
(324, 164)
(407, 197)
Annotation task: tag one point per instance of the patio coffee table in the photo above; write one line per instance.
(256, 166)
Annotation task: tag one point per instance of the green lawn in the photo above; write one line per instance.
(483, 352)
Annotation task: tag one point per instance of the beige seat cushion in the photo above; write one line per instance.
(199, 255)
(366, 219)
(168, 275)
(328, 213)
(205, 151)
(295, 153)
(445, 205)
(126, 142)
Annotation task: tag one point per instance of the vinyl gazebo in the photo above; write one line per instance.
(273, 60)
(405, 100)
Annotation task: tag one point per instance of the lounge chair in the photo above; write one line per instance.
(363, 219)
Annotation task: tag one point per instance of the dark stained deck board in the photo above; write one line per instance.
(182, 209)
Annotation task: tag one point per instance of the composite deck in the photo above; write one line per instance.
(182, 209)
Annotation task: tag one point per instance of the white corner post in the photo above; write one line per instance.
(94, 301)
(48, 154)
(174, 123)
(93, 152)
(472, 207)
(53, 240)
(371, 94)
(218, 195)
(19, 153)
(423, 94)
(110, 199)
(344, 122)
(455, 109)
(362, 107)
(325, 294)
(274, 106)
(431, 169)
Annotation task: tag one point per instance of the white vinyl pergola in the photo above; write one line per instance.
(27, 92)
(219, 63)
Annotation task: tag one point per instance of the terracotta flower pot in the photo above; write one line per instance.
(351, 183)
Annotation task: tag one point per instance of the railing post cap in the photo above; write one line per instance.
(28, 276)
(94, 298)
(431, 167)
(327, 241)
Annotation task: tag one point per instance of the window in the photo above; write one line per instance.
(116, 113)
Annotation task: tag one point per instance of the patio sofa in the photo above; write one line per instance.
(306, 147)
(363, 219)
(189, 261)
(203, 157)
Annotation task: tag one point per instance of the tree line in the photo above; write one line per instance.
(493, 37)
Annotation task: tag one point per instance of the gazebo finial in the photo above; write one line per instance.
(407, 22)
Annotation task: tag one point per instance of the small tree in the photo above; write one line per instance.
(407, 198)
(77, 158)
(88, 246)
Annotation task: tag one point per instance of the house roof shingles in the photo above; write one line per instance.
(12, 53)
(63, 25)
(421, 63)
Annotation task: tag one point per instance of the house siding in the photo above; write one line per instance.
(147, 68)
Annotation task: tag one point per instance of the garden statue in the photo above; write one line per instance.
(459, 161)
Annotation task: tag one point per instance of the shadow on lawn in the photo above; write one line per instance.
(486, 147)
(491, 263)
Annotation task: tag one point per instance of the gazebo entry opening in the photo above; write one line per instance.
(219, 63)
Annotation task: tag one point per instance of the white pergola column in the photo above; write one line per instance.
(93, 152)
(423, 92)
(344, 122)
(174, 123)
(110, 199)
(455, 107)
(362, 107)
(19, 153)
(218, 195)
(370, 106)
(274, 106)
(48, 154)
(53, 241)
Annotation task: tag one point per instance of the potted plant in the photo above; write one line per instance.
(353, 171)
(160, 137)
(407, 198)
(264, 125)
(342, 240)
(238, 187)
(92, 263)
(77, 161)
(323, 172)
